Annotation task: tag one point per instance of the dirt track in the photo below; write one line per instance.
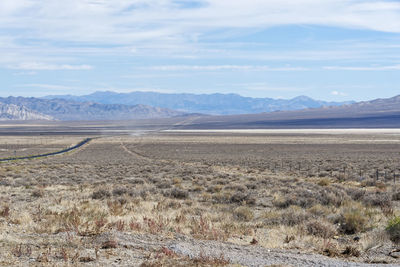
(80, 144)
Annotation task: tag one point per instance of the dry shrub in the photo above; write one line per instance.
(373, 183)
(164, 185)
(179, 193)
(324, 182)
(351, 251)
(236, 187)
(38, 193)
(214, 188)
(204, 260)
(239, 197)
(294, 216)
(115, 207)
(84, 220)
(203, 228)
(72, 219)
(243, 214)
(321, 229)
(377, 199)
(176, 193)
(319, 210)
(119, 191)
(5, 212)
(109, 244)
(134, 225)
(156, 225)
(197, 188)
(222, 197)
(168, 258)
(302, 197)
(333, 195)
(355, 193)
(354, 219)
(137, 181)
(22, 250)
(86, 259)
(101, 194)
(330, 248)
(252, 186)
(306, 198)
(272, 218)
(168, 204)
(396, 196)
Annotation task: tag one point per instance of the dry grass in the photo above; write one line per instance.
(55, 210)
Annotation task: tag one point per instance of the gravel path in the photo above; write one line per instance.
(257, 256)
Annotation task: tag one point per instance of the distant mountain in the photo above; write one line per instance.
(214, 104)
(379, 113)
(61, 109)
(14, 112)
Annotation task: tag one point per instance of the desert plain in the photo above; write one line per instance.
(200, 198)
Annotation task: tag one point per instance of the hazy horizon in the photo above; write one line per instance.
(329, 50)
(225, 93)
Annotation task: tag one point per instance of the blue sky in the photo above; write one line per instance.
(329, 50)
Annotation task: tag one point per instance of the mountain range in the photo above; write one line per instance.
(22, 108)
(378, 113)
(213, 104)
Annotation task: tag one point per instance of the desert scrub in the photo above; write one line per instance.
(393, 229)
(244, 214)
(293, 216)
(176, 193)
(321, 229)
(101, 194)
(319, 210)
(324, 182)
(354, 219)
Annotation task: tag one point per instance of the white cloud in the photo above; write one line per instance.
(373, 68)
(141, 89)
(224, 67)
(45, 86)
(61, 31)
(125, 22)
(337, 93)
(46, 66)
(268, 88)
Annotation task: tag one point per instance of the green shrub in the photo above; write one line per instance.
(393, 229)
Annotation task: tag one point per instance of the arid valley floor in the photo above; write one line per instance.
(255, 198)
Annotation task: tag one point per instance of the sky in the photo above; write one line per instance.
(332, 50)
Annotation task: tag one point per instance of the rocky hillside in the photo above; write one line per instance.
(15, 112)
(61, 109)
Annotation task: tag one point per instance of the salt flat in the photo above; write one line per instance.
(293, 131)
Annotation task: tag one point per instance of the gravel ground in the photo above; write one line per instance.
(258, 256)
